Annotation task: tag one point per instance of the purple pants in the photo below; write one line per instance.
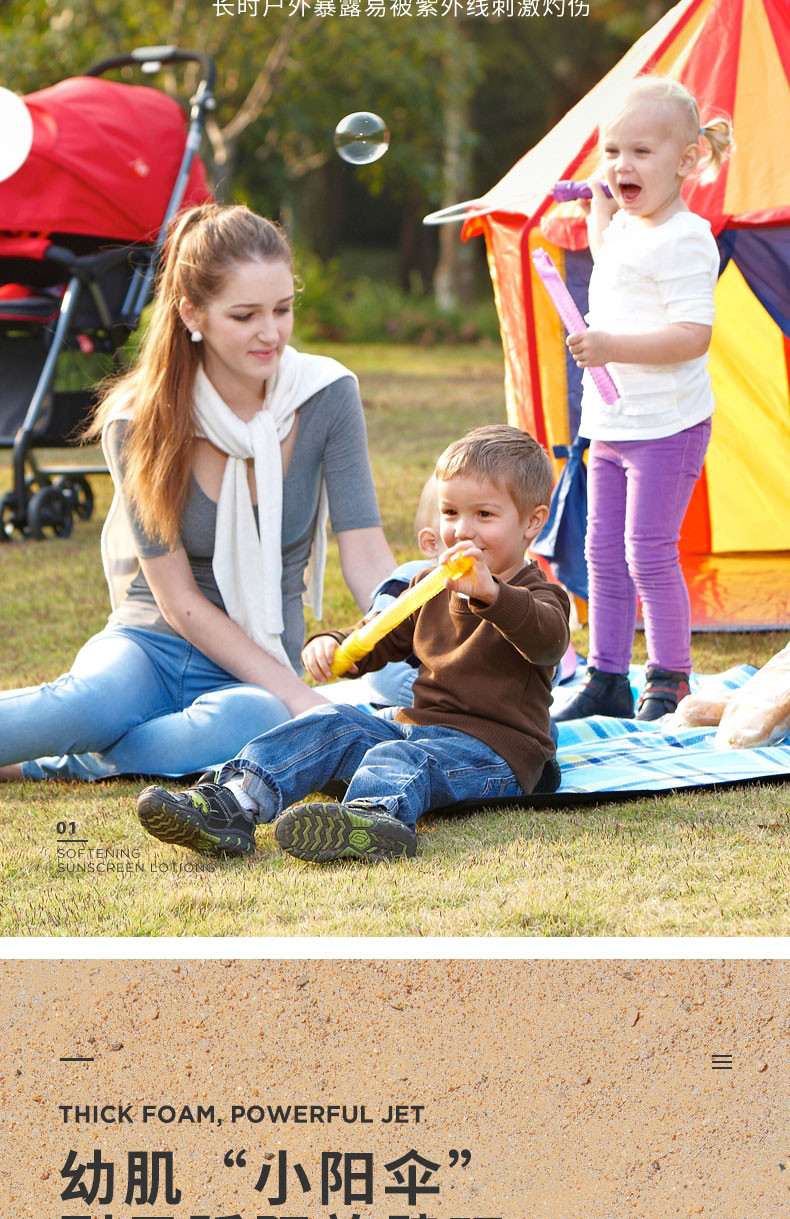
(637, 495)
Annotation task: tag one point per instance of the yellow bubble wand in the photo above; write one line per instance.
(365, 638)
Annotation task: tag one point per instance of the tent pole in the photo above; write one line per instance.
(529, 318)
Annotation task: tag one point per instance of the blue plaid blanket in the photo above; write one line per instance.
(604, 756)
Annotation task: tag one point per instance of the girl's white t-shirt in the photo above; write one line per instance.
(646, 277)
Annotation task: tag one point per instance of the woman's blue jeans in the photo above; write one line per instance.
(404, 769)
(134, 702)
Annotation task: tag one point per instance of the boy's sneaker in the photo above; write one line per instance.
(319, 832)
(664, 688)
(207, 818)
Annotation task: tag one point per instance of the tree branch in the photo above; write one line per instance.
(297, 169)
(267, 79)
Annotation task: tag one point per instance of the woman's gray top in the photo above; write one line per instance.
(331, 440)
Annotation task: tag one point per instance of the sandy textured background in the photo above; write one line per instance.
(582, 1090)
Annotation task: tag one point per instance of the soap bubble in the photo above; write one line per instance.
(361, 138)
(17, 127)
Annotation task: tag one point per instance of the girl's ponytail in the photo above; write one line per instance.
(717, 135)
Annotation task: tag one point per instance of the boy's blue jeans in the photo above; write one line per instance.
(134, 702)
(404, 769)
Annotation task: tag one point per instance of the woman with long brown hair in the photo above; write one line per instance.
(227, 448)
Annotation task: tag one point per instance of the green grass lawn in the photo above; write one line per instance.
(692, 863)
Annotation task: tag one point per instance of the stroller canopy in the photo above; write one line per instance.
(104, 161)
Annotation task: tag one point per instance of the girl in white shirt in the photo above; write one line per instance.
(651, 313)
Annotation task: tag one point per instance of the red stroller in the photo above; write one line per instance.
(82, 224)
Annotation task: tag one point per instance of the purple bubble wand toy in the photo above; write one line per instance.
(571, 318)
(566, 190)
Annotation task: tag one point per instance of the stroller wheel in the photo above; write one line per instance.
(79, 492)
(49, 512)
(9, 517)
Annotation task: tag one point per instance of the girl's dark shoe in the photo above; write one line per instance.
(600, 694)
(664, 688)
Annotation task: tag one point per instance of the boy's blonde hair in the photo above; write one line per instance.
(505, 456)
(427, 514)
(715, 133)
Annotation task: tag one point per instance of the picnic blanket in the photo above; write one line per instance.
(606, 757)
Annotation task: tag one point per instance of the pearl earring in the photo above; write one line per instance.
(196, 336)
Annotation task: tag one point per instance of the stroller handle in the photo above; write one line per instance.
(158, 55)
(202, 101)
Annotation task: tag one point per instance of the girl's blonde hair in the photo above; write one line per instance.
(204, 244)
(715, 133)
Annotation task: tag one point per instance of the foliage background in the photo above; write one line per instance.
(463, 97)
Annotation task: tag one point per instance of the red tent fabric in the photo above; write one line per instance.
(104, 161)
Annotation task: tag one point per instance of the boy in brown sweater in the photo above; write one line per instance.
(479, 726)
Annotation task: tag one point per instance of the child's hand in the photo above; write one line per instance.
(591, 348)
(317, 658)
(599, 215)
(479, 583)
(602, 205)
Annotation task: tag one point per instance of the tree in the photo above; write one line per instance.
(283, 80)
(464, 98)
(461, 72)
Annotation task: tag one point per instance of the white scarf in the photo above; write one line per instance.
(247, 561)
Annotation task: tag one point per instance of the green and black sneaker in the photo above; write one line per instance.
(319, 831)
(207, 818)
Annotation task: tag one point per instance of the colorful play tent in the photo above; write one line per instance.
(734, 56)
